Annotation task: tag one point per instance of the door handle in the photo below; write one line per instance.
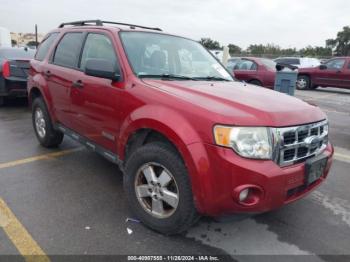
(47, 73)
(78, 84)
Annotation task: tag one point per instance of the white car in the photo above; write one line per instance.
(300, 62)
(219, 54)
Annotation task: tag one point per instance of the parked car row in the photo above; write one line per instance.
(334, 72)
(14, 66)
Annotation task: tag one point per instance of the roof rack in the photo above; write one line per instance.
(100, 23)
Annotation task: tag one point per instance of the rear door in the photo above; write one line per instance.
(246, 70)
(97, 100)
(61, 72)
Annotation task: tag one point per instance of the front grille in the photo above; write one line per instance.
(298, 143)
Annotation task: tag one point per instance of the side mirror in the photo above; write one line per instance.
(322, 67)
(101, 68)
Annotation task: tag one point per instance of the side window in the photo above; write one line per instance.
(45, 46)
(68, 50)
(98, 46)
(335, 64)
(247, 65)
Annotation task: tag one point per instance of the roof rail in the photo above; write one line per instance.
(100, 23)
(82, 23)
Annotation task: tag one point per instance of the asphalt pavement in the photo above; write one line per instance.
(70, 201)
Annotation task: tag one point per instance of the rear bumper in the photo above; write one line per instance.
(14, 88)
(222, 174)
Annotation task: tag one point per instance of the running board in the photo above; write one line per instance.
(91, 145)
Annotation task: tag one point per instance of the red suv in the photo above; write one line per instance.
(189, 139)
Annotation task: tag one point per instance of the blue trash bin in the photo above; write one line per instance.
(286, 79)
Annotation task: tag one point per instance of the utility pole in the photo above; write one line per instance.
(36, 35)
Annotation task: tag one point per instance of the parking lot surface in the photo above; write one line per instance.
(70, 201)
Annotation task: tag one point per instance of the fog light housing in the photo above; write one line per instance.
(248, 195)
(243, 195)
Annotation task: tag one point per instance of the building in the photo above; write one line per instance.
(23, 39)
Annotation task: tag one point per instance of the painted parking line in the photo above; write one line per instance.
(19, 236)
(342, 157)
(40, 157)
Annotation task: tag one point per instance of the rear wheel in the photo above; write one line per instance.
(158, 189)
(303, 82)
(46, 134)
(255, 82)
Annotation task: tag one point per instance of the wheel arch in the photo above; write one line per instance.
(152, 128)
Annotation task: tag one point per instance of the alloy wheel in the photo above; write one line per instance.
(40, 124)
(156, 190)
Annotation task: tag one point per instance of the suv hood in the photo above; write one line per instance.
(241, 104)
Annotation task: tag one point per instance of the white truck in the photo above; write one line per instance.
(5, 37)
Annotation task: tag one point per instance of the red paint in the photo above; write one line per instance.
(6, 69)
(263, 74)
(185, 112)
(329, 77)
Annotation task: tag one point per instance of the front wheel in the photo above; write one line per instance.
(158, 189)
(43, 127)
(303, 82)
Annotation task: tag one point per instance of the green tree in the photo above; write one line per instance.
(256, 49)
(289, 52)
(234, 49)
(13, 42)
(316, 51)
(210, 44)
(341, 44)
(272, 49)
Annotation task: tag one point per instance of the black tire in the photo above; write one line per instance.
(185, 214)
(256, 82)
(2, 101)
(51, 137)
(303, 82)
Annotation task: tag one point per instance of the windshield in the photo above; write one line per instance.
(153, 54)
(269, 63)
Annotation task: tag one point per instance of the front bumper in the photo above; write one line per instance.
(220, 172)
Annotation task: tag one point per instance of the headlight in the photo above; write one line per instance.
(250, 142)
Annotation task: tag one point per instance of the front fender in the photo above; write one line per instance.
(174, 127)
(161, 119)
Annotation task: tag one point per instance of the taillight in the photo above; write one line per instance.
(6, 69)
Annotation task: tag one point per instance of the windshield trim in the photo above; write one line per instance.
(166, 34)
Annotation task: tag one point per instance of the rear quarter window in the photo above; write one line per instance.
(68, 50)
(45, 46)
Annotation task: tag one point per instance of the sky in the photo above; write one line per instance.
(293, 23)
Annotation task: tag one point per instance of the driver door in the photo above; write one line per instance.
(96, 100)
(333, 74)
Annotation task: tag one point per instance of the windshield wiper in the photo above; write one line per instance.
(212, 78)
(166, 76)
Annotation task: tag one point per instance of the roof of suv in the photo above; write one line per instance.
(96, 24)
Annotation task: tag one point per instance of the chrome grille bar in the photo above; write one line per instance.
(298, 143)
